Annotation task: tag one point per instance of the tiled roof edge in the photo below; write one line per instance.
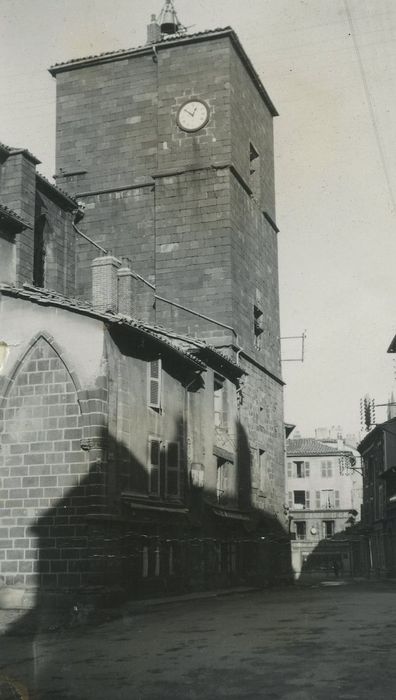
(11, 215)
(123, 53)
(57, 191)
(12, 151)
(50, 298)
(108, 56)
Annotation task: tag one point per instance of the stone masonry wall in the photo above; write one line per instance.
(106, 125)
(17, 191)
(261, 415)
(193, 252)
(123, 224)
(255, 278)
(60, 246)
(49, 484)
(251, 122)
(201, 70)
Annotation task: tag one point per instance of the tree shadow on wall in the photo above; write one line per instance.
(106, 544)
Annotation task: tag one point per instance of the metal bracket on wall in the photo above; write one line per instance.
(296, 337)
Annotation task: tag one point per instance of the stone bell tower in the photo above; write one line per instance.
(170, 146)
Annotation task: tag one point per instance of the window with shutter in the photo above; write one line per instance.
(172, 470)
(154, 466)
(327, 498)
(154, 383)
(220, 402)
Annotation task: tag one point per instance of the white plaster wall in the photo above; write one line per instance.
(79, 336)
(345, 484)
(7, 261)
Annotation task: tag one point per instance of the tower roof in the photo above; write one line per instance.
(147, 49)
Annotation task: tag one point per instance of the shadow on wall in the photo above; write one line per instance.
(96, 548)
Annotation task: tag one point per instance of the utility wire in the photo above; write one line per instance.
(370, 106)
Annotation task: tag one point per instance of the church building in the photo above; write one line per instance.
(141, 392)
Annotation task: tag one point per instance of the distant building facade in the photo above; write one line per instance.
(323, 497)
(378, 452)
(141, 393)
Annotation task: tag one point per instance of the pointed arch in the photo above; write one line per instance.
(59, 352)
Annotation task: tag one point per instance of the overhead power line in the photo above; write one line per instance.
(370, 106)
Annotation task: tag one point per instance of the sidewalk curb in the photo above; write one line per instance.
(23, 622)
(130, 607)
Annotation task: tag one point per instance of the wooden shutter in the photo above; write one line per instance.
(317, 498)
(337, 499)
(307, 500)
(172, 469)
(289, 470)
(154, 383)
(290, 499)
(154, 465)
(324, 471)
(306, 469)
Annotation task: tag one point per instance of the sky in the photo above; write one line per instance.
(330, 68)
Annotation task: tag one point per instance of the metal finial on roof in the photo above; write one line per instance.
(169, 21)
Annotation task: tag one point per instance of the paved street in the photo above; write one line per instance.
(325, 642)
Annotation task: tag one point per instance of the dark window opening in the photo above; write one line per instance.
(328, 528)
(219, 402)
(164, 475)
(39, 251)
(258, 320)
(225, 481)
(301, 529)
(262, 469)
(254, 158)
(301, 500)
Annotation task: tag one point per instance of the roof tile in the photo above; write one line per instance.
(308, 447)
(7, 213)
(49, 297)
(120, 52)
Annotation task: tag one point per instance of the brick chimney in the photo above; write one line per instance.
(126, 289)
(105, 283)
(153, 31)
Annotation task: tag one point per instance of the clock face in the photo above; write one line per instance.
(193, 115)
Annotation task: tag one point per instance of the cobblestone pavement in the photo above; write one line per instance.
(320, 642)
